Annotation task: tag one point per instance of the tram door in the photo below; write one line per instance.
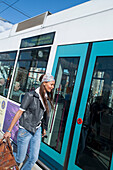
(92, 143)
(68, 70)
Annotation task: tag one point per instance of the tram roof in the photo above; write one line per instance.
(47, 19)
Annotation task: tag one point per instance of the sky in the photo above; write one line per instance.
(16, 11)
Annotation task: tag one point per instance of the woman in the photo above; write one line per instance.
(33, 112)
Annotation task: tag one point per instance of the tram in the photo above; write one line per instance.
(76, 46)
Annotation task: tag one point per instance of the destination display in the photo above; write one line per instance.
(45, 39)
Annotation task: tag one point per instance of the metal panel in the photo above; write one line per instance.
(32, 22)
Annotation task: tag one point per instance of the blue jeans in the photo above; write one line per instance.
(25, 139)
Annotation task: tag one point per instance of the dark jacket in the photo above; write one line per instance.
(34, 111)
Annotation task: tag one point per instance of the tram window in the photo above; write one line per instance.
(30, 66)
(96, 140)
(7, 60)
(65, 80)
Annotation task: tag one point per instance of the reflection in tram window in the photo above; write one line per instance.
(64, 83)
(96, 140)
(30, 66)
(6, 69)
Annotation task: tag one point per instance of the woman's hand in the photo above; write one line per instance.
(44, 133)
(6, 135)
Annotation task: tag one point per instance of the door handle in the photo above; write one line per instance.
(79, 121)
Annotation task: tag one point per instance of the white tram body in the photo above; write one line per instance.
(87, 22)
